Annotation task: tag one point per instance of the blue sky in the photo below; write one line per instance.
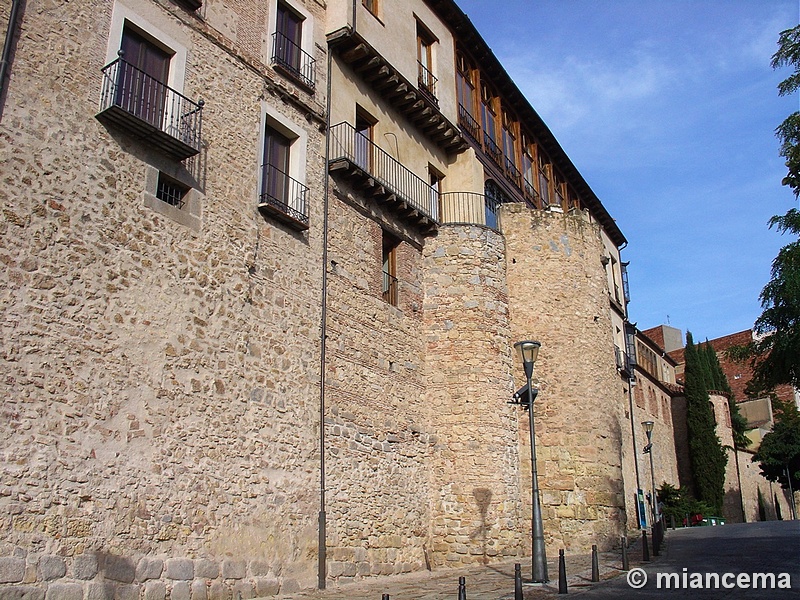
(668, 109)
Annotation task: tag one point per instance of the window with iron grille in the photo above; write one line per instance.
(170, 191)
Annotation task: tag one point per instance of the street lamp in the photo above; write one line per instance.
(528, 352)
(648, 429)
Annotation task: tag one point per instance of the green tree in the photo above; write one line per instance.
(775, 355)
(719, 382)
(706, 453)
(779, 453)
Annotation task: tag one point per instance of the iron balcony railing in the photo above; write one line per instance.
(512, 172)
(492, 149)
(390, 287)
(347, 143)
(471, 127)
(427, 83)
(151, 108)
(293, 59)
(281, 193)
(470, 208)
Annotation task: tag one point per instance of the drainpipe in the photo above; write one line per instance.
(16, 6)
(322, 547)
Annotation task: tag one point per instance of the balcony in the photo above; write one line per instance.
(624, 364)
(381, 177)
(291, 60)
(148, 109)
(283, 198)
(427, 83)
(468, 123)
(512, 172)
(413, 102)
(492, 150)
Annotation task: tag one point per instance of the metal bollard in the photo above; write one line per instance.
(595, 564)
(518, 582)
(656, 538)
(672, 521)
(626, 566)
(562, 573)
(462, 588)
(645, 548)
(385, 597)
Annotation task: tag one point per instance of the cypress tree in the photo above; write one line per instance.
(721, 384)
(708, 458)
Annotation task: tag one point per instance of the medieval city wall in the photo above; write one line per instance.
(559, 296)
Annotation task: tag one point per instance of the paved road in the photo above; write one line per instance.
(772, 547)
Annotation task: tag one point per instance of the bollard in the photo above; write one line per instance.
(626, 566)
(672, 521)
(595, 564)
(562, 573)
(518, 582)
(462, 588)
(645, 548)
(656, 538)
(385, 597)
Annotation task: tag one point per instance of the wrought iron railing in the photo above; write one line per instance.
(492, 149)
(284, 194)
(530, 193)
(347, 143)
(512, 172)
(427, 83)
(469, 208)
(471, 127)
(295, 60)
(390, 288)
(149, 100)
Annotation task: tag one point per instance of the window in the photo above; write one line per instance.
(142, 78)
(365, 125)
(559, 188)
(371, 6)
(493, 198)
(425, 42)
(288, 39)
(488, 117)
(435, 180)
(389, 287)
(466, 97)
(509, 138)
(544, 181)
(171, 191)
(280, 195)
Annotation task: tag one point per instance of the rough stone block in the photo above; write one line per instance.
(149, 568)
(243, 590)
(266, 586)
(234, 569)
(21, 592)
(206, 568)
(155, 590)
(97, 590)
(12, 569)
(126, 592)
(217, 591)
(119, 568)
(64, 591)
(180, 591)
(179, 569)
(51, 567)
(259, 568)
(84, 566)
(199, 590)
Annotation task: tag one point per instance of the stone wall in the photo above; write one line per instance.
(160, 382)
(475, 488)
(558, 295)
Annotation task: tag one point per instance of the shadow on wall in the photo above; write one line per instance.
(483, 498)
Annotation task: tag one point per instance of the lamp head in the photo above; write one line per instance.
(648, 428)
(528, 352)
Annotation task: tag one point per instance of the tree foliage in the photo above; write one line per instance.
(779, 453)
(706, 453)
(717, 380)
(678, 503)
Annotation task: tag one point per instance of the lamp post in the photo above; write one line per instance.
(529, 351)
(648, 429)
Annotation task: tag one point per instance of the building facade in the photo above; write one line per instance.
(264, 267)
